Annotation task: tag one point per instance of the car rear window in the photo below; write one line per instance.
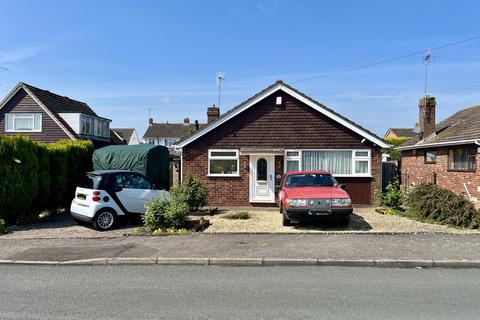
(90, 181)
(310, 180)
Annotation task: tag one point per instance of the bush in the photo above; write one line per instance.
(242, 215)
(432, 203)
(3, 228)
(164, 212)
(394, 196)
(193, 191)
(19, 178)
(43, 173)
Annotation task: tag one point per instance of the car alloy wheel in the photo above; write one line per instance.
(105, 220)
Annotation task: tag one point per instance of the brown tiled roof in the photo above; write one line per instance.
(115, 137)
(293, 89)
(404, 132)
(463, 125)
(170, 130)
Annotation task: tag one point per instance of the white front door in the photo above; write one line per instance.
(262, 178)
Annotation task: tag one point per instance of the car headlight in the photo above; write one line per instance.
(297, 202)
(341, 202)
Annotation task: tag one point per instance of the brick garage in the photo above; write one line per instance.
(269, 127)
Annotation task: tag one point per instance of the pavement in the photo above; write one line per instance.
(380, 250)
(193, 292)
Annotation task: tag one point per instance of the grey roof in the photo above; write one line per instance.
(404, 132)
(60, 104)
(463, 125)
(170, 130)
(124, 133)
(293, 89)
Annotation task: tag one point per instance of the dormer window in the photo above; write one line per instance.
(23, 122)
(94, 126)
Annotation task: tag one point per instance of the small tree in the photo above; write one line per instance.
(193, 191)
(394, 142)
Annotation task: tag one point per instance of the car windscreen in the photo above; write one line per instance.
(90, 181)
(310, 180)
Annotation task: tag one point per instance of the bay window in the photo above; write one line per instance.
(337, 162)
(23, 122)
(462, 159)
(223, 162)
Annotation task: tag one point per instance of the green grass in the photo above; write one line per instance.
(241, 215)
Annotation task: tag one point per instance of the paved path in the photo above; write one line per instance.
(292, 246)
(154, 292)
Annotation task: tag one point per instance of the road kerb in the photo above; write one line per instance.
(35, 262)
(456, 263)
(131, 261)
(346, 263)
(183, 261)
(289, 262)
(236, 261)
(86, 262)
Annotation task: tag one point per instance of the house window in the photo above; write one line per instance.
(431, 156)
(23, 122)
(462, 159)
(223, 163)
(337, 162)
(86, 125)
(292, 160)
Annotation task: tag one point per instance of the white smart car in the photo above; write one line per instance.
(105, 196)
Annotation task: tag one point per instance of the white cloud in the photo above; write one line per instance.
(17, 54)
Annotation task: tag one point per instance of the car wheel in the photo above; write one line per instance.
(285, 221)
(104, 220)
(344, 220)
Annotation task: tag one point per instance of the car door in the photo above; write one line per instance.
(133, 191)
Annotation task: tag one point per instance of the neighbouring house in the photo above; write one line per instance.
(167, 134)
(243, 153)
(446, 153)
(128, 135)
(401, 133)
(48, 117)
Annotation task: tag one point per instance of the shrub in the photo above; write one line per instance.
(242, 215)
(3, 228)
(394, 196)
(18, 183)
(164, 212)
(432, 203)
(43, 173)
(193, 191)
(58, 175)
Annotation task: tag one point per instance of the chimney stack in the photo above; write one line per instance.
(213, 113)
(186, 121)
(196, 125)
(426, 107)
(150, 121)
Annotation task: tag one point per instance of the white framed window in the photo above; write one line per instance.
(223, 163)
(87, 125)
(341, 162)
(23, 122)
(292, 160)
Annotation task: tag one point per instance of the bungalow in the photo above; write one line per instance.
(243, 153)
(48, 117)
(128, 135)
(446, 153)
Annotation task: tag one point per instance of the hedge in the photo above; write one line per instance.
(430, 202)
(36, 176)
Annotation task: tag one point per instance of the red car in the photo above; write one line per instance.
(310, 195)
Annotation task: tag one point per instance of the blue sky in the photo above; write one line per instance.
(123, 57)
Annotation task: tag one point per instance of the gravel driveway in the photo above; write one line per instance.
(364, 220)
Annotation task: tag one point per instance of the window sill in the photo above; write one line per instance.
(22, 131)
(460, 170)
(223, 175)
(430, 162)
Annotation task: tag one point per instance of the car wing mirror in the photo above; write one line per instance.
(343, 186)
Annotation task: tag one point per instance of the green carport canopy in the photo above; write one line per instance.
(147, 159)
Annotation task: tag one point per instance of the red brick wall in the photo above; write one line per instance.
(415, 171)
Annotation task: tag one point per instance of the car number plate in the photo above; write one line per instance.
(324, 212)
(81, 196)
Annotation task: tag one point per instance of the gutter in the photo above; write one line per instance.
(439, 144)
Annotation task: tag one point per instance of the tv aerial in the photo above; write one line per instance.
(220, 80)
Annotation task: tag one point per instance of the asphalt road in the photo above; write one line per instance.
(155, 292)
